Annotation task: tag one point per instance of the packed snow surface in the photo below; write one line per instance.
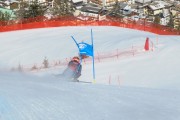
(137, 87)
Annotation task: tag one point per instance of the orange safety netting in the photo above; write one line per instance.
(42, 22)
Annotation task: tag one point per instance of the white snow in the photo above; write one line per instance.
(143, 87)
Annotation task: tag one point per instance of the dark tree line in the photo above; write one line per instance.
(34, 9)
(5, 16)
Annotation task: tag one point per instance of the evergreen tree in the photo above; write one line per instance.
(35, 9)
(62, 8)
(116, 10)
(157, 19)
(22, 11)
(116, 7)
(30, 10)
(4, 16)
(178, 24)
(178, 28)
(171, 22)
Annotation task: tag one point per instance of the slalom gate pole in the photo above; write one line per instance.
(94, 81)
(75, 41)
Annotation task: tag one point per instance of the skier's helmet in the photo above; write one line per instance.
(76, 59)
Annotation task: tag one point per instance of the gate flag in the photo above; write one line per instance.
(85, 49)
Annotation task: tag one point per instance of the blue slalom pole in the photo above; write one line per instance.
(75, 41)
(94, 81)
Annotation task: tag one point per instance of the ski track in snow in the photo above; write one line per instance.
(50, 98)
(150, 92)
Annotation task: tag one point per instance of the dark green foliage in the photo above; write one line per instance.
(116, 10)
(30, 10)
(35, 9)
(4, 16)
(21, 13)
(157, 19)
(62, 8)
(171, 22)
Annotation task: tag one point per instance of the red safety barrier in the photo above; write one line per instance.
(42, 22)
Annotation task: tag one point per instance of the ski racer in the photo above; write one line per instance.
(73, 71)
